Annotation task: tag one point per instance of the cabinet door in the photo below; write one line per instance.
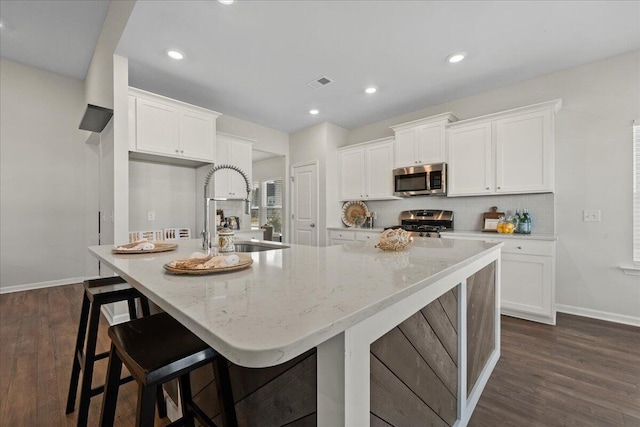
(524, 153)
(470, 164)
(527, 283)
(431, 143)
(157, 129)
(352, 174)
(222, 177)
(240, 156)
(406, 148)
(197, 136)
(379, 171)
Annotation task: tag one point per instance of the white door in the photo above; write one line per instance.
(305, 204)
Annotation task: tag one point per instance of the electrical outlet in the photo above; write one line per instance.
(591, 216)
(151, 216)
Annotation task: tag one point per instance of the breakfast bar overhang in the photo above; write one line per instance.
(402, 337)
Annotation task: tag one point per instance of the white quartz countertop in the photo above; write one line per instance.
(290, 300)
(370, 230)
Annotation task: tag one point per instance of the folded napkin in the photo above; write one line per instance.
(140, 245)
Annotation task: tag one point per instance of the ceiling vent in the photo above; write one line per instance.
(319, 82)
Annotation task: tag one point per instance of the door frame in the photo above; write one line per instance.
(292, 194)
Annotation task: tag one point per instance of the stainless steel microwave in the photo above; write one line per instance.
(420, 180)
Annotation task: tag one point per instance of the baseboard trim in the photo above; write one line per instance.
(41, 285)
(107, 311)
(600, 315)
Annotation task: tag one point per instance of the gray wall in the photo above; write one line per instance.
(42, 177)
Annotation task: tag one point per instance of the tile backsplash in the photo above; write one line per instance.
(468, 210)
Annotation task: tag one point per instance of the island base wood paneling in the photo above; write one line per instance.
(481, 314)
(414, 370)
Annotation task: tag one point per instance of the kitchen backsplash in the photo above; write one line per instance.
(468, 210)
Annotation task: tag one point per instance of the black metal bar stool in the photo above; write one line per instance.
(98, 292)
(157, 349)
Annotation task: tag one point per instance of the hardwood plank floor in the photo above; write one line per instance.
(37, 336)
(582, 372)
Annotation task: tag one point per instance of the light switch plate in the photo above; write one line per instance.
(591, 216)
(151, 216)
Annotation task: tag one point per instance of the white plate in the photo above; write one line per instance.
(352, 209)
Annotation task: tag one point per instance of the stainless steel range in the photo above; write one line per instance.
(425, 222)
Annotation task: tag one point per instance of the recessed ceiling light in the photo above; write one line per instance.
(456, 57)
(371, 89)
(314, 111)
(227, 2)
(174, 54)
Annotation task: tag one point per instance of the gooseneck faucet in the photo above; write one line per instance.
(206, 233)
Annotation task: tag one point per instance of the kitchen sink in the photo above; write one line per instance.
(257, 247)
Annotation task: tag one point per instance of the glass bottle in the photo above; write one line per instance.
(520, 220)
(526, 223)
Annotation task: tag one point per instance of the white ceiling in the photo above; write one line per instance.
(252, 59)
(59, 36)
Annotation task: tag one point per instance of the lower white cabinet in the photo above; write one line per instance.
(339, 236)
(528, 277)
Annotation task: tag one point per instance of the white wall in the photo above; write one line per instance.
(267, 169)
(320, 142)
(593, 171)
(167, 190)
(42, 177)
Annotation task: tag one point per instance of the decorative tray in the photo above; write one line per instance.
(157, 247)
(353, 210)
(245, 262)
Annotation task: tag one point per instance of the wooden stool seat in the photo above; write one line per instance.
(157, 349)
(97, 292)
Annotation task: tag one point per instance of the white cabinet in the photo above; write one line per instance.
(236, 151)
(341, 236)
(366, 171)
(423, 141)
(527, 279)
(165, 127)
(470, 160)
(504, 153)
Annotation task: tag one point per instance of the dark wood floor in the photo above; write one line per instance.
(581, 372)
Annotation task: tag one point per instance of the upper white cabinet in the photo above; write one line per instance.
(366, 170)
(165, 127)
(236, 151)
(503, 153)
(423, 141)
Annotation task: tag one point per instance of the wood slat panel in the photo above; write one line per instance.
(396, 352)
(439, 322)
(480, 322)
(418, 331)
(377, 422)
(394, 402)
(287, 398)
(308, 421)
(450, 306)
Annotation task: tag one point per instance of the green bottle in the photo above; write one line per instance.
(519, 218)
(526, 222)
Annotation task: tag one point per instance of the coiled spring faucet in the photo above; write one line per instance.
(206, 233)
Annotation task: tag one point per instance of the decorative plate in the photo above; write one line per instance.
(245, 262)
(158, 247)
(351, 211)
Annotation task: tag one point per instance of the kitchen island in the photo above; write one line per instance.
(407, 337)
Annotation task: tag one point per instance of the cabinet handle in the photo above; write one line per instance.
(176, 150)
(499, 188)
(181, 151)
(487, 188)
(519, 247)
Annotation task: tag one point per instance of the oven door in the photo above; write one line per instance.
(420, 180)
